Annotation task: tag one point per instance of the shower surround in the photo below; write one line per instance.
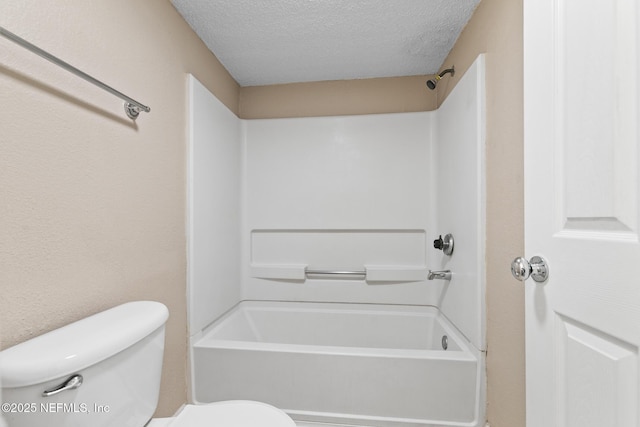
(270, 200)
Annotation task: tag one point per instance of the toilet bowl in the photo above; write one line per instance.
(104, 371)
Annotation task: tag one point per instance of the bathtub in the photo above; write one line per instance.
(357, 364)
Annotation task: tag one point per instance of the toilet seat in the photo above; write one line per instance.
(232, 413)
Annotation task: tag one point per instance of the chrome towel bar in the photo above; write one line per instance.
(131, 106)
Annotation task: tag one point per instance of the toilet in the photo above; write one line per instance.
(104, 371)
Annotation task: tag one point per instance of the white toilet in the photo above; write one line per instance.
(104, 371)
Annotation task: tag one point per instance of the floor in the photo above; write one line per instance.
(159, 422)
(165, 422)
(306, 424)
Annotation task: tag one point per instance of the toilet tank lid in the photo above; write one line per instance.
(88, 341)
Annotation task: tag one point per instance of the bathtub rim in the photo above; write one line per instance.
(470, 352)
(467, 349)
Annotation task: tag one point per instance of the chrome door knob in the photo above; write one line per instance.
(537, 269)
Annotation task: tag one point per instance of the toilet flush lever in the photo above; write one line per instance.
(72, 382)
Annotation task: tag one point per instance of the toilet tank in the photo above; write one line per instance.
(116, 355)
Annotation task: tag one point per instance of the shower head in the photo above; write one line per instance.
(431, 83)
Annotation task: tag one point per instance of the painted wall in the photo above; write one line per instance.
(332, 98)
(93, 204)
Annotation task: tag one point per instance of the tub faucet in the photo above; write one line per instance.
(440, 275)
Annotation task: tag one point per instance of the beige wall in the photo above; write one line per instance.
(93, 204)
(496, 28)
(342, 97)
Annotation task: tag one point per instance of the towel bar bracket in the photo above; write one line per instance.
(132, 111)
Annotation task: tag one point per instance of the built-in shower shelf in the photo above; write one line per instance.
(371, 255)
(278, 271)
(370, 273)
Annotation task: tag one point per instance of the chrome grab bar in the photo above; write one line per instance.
(439, 275)
(335, 273)
(70, 383)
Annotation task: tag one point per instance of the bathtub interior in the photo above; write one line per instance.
(361, 326)
(345, 374)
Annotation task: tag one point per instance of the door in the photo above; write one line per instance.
(581, 212)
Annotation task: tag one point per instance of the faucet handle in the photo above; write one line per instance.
(438, 243)
(446, 244)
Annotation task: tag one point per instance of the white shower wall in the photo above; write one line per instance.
(213, 228)
(338, 193)
(460, 192)
(269, 197)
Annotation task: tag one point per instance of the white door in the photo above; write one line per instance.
(581, 212)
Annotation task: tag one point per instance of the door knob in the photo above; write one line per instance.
(537, 269)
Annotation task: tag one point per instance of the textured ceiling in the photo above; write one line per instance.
(262, 42)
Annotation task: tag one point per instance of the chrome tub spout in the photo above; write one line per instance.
(439, 275)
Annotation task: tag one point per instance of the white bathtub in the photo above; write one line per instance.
(363, 364)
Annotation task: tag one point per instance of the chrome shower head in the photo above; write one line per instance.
(431, 83)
